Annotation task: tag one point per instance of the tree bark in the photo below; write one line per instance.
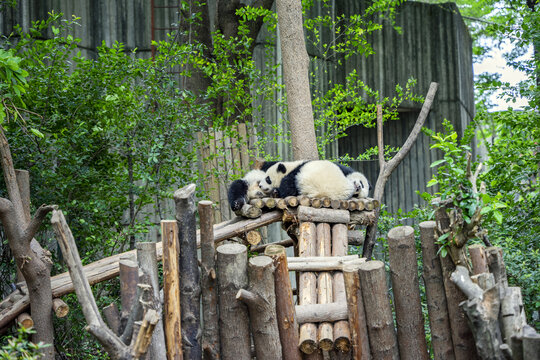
(309, 214)
(380, 323)
(171, 290)
(307, 287)
(285, 311)
(190, 289)
(261, 302)
(441, 337)
(210, 336)
(296, 77)
(386, 168)
(477, 253)
(404, 273)
(129, 278)
(315, 313)
(357, 316)
(233, 314)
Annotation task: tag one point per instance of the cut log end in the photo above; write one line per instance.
(308, 346)
(343, 344)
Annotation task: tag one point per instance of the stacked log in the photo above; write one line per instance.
(325, 335)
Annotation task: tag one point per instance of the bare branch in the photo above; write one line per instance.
(380, 140)
(36, 221)
(9, 175)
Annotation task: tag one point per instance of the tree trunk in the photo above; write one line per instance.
(286, 315)
(441, 337)
(296, 77)
(171, 289)
(190, 289)
(261, 302)
(404, 273)
(233, 314)
(210, 336)
(378, 311)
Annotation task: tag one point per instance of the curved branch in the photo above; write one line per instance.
(36, 221)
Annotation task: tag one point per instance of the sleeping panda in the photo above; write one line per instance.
(276, 172)
(247, 188)
(361, 183)
(317, 179)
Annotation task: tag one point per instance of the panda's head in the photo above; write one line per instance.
(253, 178)
(273, 177)
(361, 184)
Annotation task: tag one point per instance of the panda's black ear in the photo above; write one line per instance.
(281, 168)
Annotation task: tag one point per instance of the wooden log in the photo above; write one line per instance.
(362, 217)
(342, 334)
(357, 317)
(368, 204)
(325, 337)
(147, 259)
(262, 247)
(190, 289)
(360, 205)
(497, 268)
(129, 277)
(531, 343)
(285, 311)
(261, 302)
(484, 280)
(270, 203)
(352, 205)
(316, 203)
(60, 308)
(334, 204)
(145, 334)
(482, 309)
(404, 273)
(326, 202)
(317, 313)
(112, 317)
(171, 289)
(441, 335)
(462, 336)
(249, 211)
(233, 314)
(307, 286)
(323, 215)
(210, 335)
(304, 200)
(355, 237)
(477, 252)
(253, 237)
(512, 316)
(258, 203)
(25, 320)
(291, 201)
(344, 204)
(379, 319)
(322, 265)
(281, 204)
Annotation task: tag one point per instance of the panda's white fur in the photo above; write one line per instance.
(244, 189)
(253, 178)
(276, 172)
(322, 178)
(360, 183)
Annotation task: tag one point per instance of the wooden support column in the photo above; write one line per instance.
(210, 335)
(129, 277)
(171, 290)
(497, 268)
(307, 286)
(286, 317)
(379, 318)
(325, 336)
(357, 319)
(439, 322)
(233, 314)
(342, 334)
(190, 289)
(261, 301)
(404, 274)
(477, 252)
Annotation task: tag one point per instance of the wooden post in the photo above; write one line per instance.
(325, 337)
(190, 289)
(307, 287)
(210, 335)
(342, 334)
(497, 268)
(477, 252)
(261, 302)
(404, 273)
(171, 289)
(60, 308)
(512, 316)
(129, 277)
(441, 336)
(356, 312)
(147, 258)
(531, 343)
(112, 317)
(378, 311)
(287, 325)
(233, 314)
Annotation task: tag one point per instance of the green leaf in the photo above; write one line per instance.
(498, 216)
(432, 182)
(37, 133)
(438, 162)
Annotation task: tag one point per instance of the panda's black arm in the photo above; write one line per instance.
(237, 194)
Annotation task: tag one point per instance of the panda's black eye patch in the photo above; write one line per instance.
(268, 180)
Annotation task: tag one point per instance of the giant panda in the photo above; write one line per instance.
(276, 172)
(242, 190)
(317, 179)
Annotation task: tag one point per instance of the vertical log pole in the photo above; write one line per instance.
(404, 273)
(307, 287)
(233, 314)
(190, 289)
(129, 277)
(147, 258)
(210, 335)
(325, 294)
(286, 316)
(378, 311)
(497, 268)
(477, 253)
(171, 289)
(357, 319)
(261, 302)
(441, 336)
